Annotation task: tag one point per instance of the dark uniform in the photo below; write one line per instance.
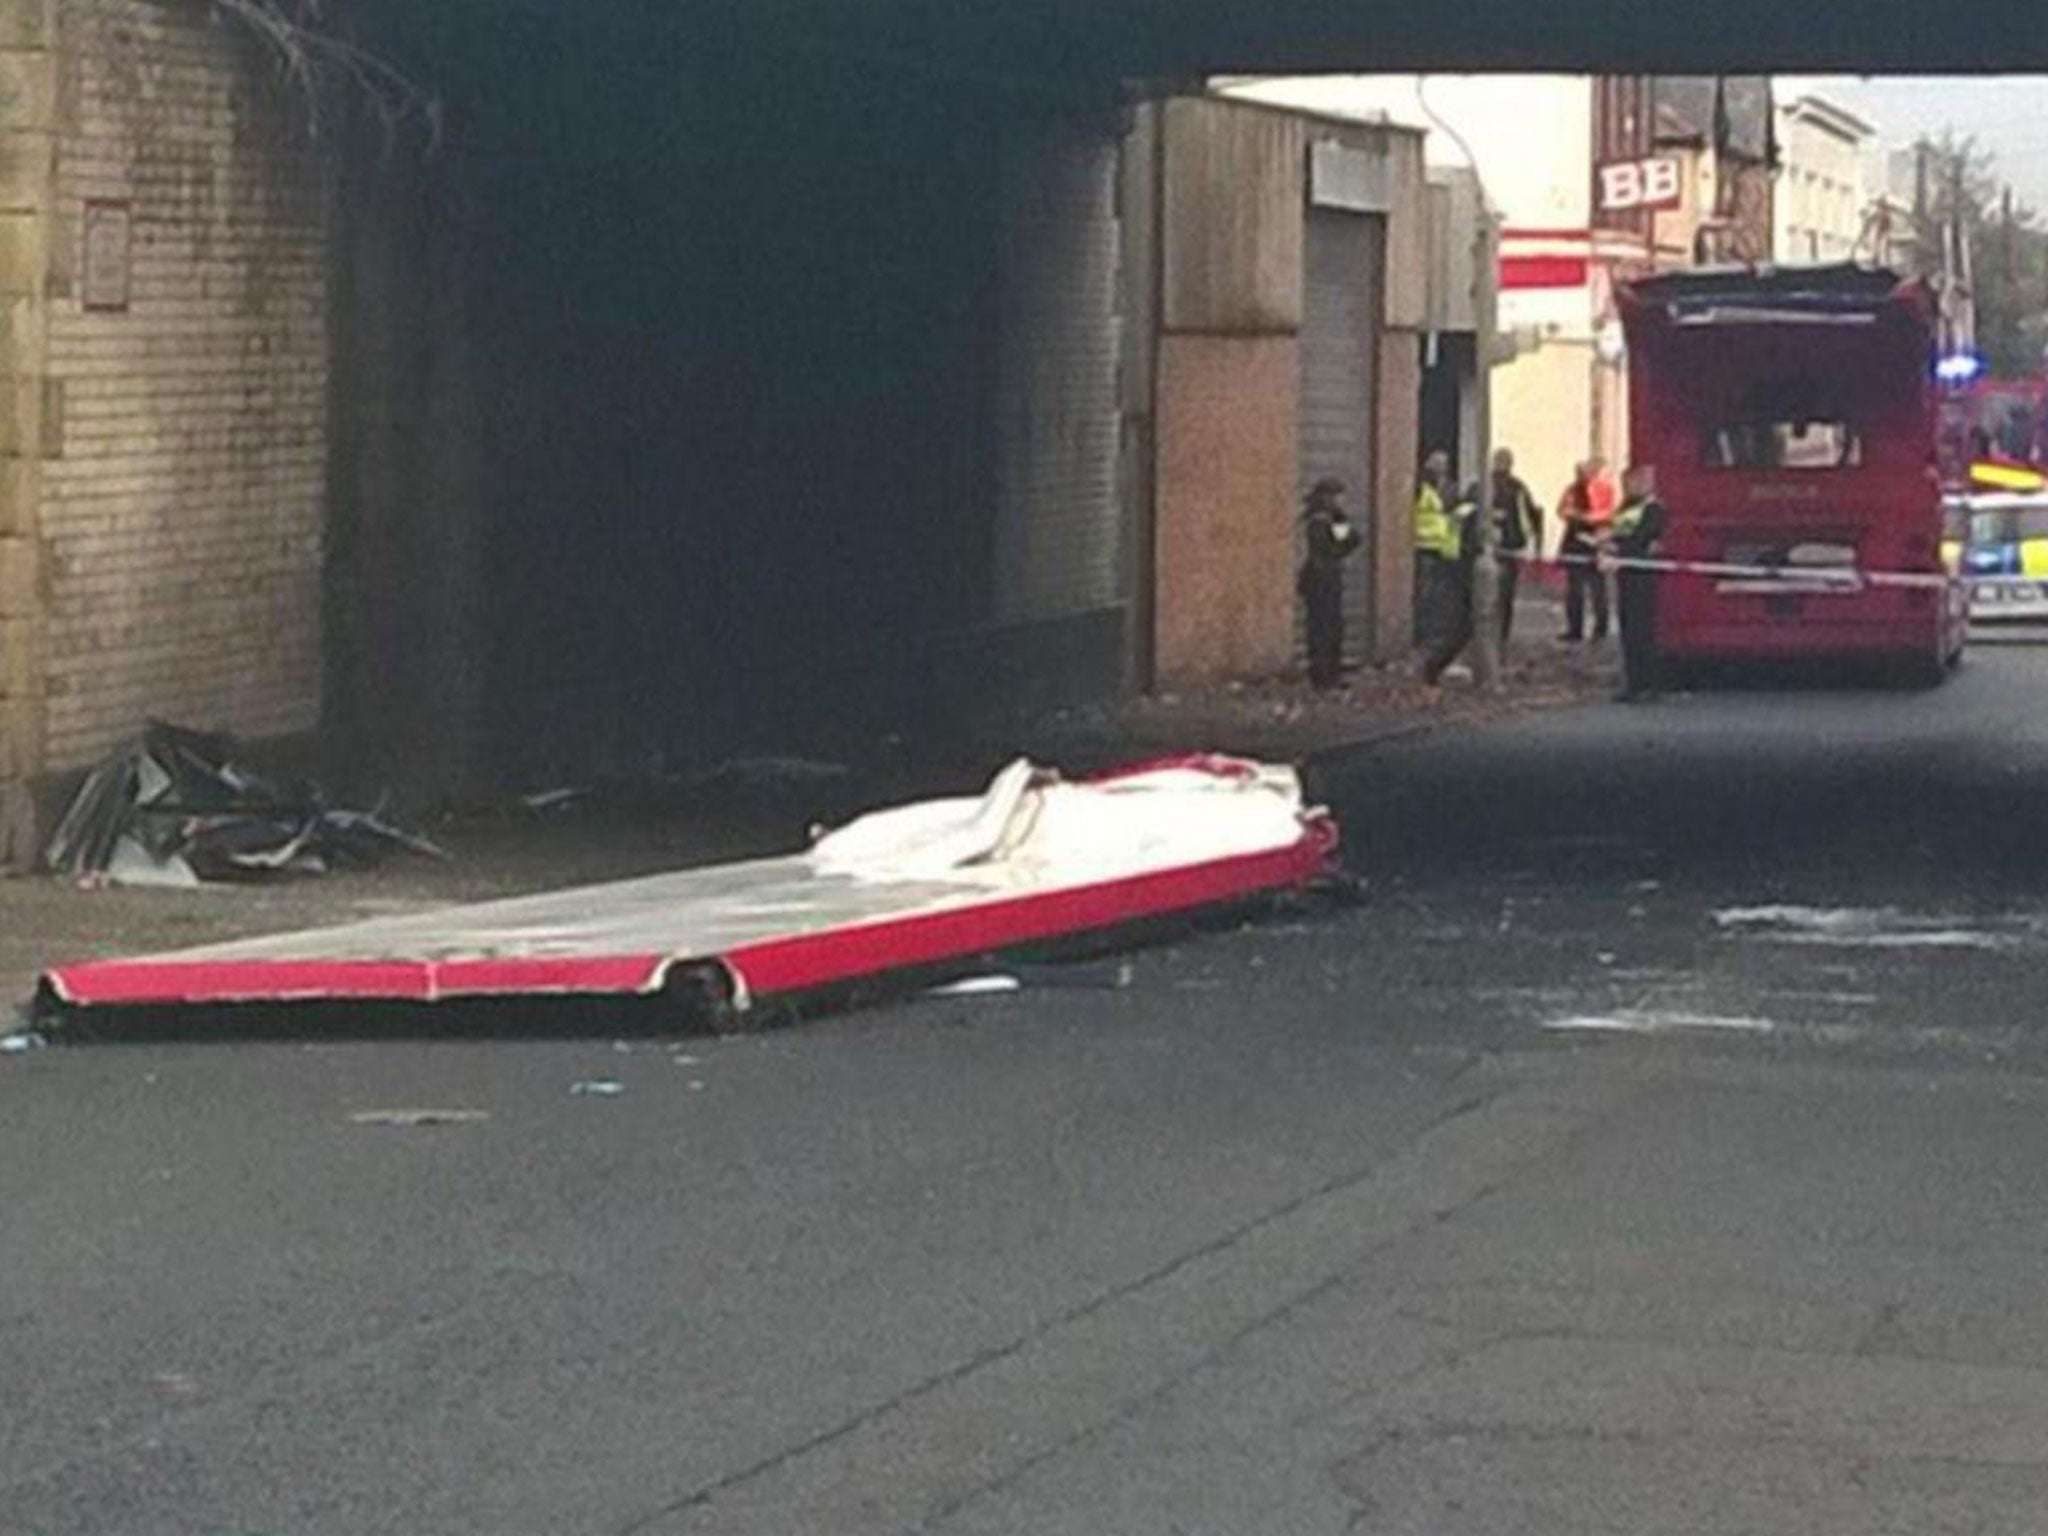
(1520, 523)
(1638, 526)
(1331, 539)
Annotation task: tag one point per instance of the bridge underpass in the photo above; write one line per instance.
(756, 372)
(1655, 1150)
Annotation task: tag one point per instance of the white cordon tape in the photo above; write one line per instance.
(1849, 578)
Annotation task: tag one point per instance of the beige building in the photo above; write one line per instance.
(1892, 233)
(1823, 199)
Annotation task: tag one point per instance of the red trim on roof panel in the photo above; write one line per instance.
(842, 954)
(790, 964)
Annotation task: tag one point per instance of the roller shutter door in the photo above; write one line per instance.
(1341, 297)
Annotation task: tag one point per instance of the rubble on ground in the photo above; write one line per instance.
(177, 807)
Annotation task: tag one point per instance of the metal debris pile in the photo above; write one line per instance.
(176, 808)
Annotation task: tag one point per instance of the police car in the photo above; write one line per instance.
(2004, 554)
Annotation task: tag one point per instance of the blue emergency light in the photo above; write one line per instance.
(1958, 367)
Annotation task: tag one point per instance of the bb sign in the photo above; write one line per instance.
(1626, 184)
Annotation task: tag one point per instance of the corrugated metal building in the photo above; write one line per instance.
(1292, 297)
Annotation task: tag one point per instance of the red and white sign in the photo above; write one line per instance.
(1627, 184)
(1562, 259)
(1539, 271)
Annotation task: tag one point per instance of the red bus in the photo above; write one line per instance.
(1791, 415)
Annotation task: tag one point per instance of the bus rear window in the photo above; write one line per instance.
(1785, 445)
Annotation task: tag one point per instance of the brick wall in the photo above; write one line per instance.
(1224, 524)
(183, 411)
(27, 95)
(1229, 366)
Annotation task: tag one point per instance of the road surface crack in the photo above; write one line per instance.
(704, 1494)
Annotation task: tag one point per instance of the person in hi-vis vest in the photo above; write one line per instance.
(1468, 534)
(1436, 544)
(1584, 511)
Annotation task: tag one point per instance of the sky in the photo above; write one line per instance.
(2008, 114)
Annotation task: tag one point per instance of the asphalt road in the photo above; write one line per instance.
(1657, 1150)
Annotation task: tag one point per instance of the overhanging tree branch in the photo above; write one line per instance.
(313, 54)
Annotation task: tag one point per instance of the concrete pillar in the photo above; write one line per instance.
(1396, 458)
(28, 91)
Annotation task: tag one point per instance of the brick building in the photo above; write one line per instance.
(1721, 130)
(537, 455)
(163, 425)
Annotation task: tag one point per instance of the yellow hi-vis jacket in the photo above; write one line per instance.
(1436, 531)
